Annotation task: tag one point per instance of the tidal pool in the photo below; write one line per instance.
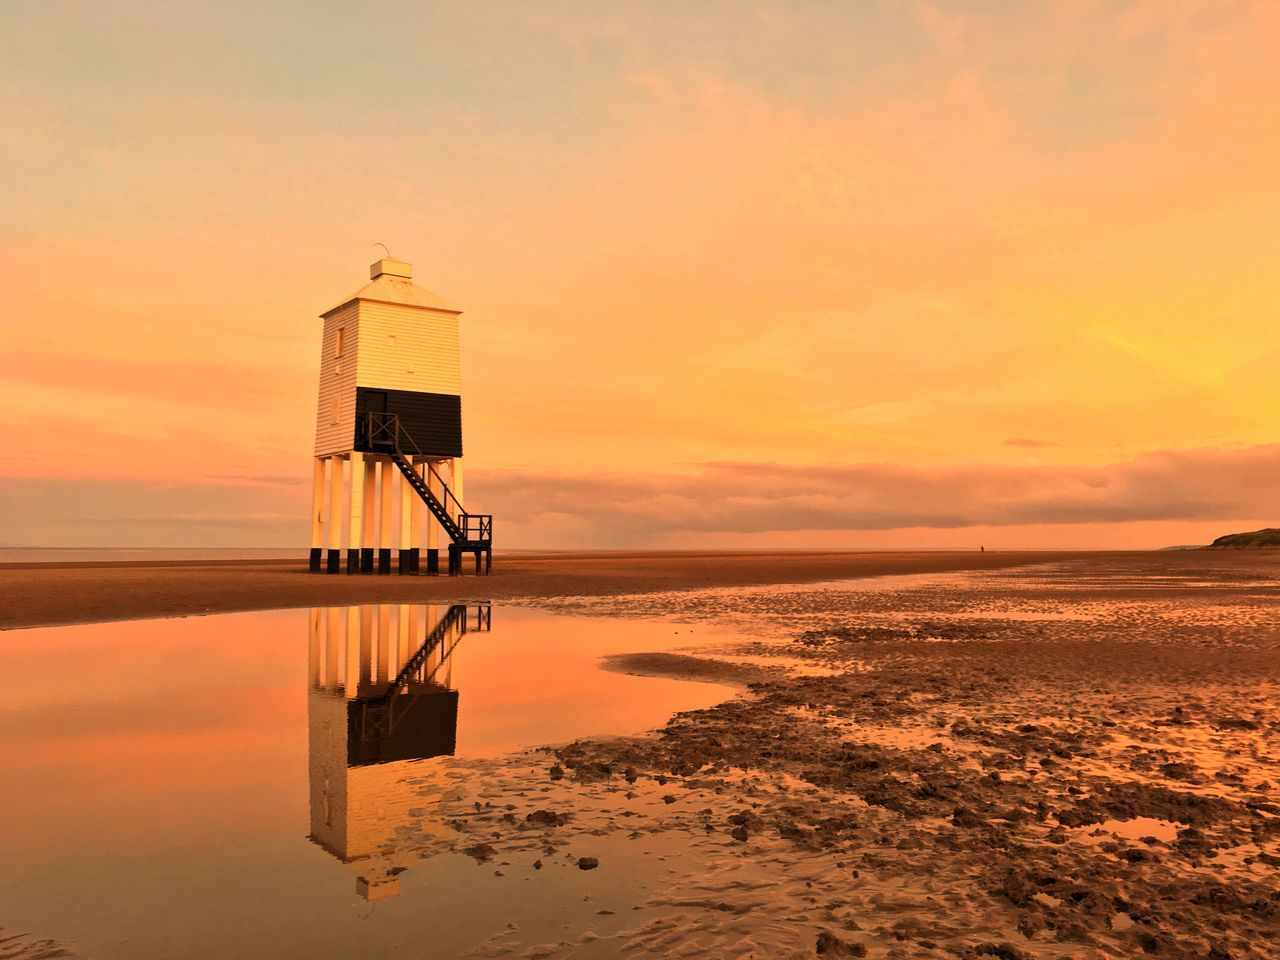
(217, 786)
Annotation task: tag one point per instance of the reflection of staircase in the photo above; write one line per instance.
(469, 532)
(377, 717)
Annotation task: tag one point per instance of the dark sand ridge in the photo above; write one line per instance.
(54, 593)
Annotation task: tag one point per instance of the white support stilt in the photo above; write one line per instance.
(384, 643)
(414, 635)
(366, 649)
(432, 524)
(406, 526)
(332, 647)
(355, 523)
(317, 515)
(404, 639)
(351, 654)
(385, 469)
(393, 641)
(335, 515)
(313, 649)
(369, 529)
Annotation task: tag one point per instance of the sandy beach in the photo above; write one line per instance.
(54, 593)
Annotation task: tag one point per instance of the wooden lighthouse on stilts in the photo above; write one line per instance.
(388, 459)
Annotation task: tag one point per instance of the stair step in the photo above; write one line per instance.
(428, 497)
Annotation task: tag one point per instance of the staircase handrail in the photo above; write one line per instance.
(381, 424)
(384, 430)
(455, 615)
(447, 497)
(432, 640)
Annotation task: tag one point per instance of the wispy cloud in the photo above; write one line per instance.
(1026, 442)
(65, 512)
(259, 480)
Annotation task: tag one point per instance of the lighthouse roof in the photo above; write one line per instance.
(390, 281)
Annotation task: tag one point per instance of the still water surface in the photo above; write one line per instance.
(211, 786)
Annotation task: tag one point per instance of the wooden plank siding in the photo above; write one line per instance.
(433, 420)
(408, 352)
(423, 357)
(337, 382)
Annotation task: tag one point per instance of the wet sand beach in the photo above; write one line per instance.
(53, 593)
(1075, 760)
(1042, 757)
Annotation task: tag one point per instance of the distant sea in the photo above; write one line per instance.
(119, 554)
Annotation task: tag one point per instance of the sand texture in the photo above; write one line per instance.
(47, 594)
(1079, 758)
(21, 946)
(1073, 760)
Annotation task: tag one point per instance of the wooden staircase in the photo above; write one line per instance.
(377, 717)
(468, 532)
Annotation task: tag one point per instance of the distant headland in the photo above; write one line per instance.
(1254, 540)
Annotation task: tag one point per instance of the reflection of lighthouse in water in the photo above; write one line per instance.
(382, 697)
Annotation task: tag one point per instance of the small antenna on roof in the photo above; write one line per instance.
(384, 247)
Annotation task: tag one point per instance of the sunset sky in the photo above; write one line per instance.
(734, 274)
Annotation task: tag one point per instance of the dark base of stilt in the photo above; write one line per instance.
(484, 559)
(366, 559)
(353, 561)
(433, 561)
(403, 564)
(314, 563)
(384, 560)
(333, 561)
(415, 560)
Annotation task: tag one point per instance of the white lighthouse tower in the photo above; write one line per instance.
(388, 456)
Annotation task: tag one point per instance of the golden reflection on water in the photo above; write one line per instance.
(146, 763)
(381, 697)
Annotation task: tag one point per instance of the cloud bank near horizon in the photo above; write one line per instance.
(763, 498)
(764, 503)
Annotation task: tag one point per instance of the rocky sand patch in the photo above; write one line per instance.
(1073, 761)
